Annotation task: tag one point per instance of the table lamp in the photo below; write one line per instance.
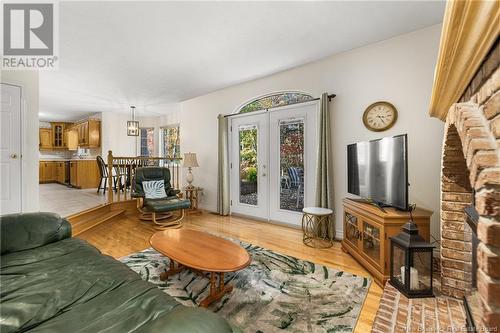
(190, 162)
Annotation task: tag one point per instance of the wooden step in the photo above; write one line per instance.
(87, 214)
(90, 221)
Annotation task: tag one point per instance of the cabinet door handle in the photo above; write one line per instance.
(357, 234)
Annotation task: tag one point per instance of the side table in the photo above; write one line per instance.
(192, 194)
(316, 227)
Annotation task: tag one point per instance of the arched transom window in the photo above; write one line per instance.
(274, 100)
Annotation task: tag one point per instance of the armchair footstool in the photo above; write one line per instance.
(164, 207)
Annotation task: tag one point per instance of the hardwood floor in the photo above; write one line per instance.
(124, 235)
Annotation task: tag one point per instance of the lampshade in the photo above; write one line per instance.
(190, 160)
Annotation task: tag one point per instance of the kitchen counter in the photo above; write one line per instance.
(77, 172)
(66, 159)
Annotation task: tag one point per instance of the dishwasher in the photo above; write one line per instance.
(67, 177)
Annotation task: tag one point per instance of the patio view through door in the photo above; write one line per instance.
(273, 158)
(249, 179)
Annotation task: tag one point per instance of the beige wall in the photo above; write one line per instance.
(114, 135)
(399, 70)
(114, 132)
(28, 81)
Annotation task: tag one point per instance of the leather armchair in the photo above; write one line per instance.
(152, 173)
(159, 209)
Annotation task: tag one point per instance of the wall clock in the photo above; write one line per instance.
(380, 116)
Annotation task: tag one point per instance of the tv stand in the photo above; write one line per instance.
(367, 233)
(373, 203)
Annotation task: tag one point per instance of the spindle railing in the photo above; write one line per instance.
(121, 173)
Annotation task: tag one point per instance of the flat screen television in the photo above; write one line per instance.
(377, 170)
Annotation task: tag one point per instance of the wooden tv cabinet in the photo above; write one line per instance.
(367, 230)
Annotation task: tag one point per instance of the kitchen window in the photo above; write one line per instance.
(170, 138)
(147, 141)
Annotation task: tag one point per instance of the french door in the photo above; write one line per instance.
(249, 166)
(273, 158)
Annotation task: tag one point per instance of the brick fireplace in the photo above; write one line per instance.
(470, 220)
(466, 97)
(471, 177)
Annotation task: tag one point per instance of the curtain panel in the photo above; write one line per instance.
(223, 200)
(324, 169)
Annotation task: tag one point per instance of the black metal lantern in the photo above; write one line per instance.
(411, 262)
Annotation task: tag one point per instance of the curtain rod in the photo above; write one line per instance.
(330, 97)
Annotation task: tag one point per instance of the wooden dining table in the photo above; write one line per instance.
(203, 253)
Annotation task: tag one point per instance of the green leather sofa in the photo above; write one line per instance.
(51, 282)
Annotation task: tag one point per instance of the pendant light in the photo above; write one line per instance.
(133, 125)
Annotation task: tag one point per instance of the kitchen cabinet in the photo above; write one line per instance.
(71, 138)
(51, 172)
(45, 138)
(89, 133)
(85, 134)
(81, 134)
(60, 172)
(84, 174)
(46, 172)
(58, 135)
(41, 172)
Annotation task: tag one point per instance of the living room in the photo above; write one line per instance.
(256, 174)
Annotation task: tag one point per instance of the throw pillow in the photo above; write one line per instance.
(154, 189)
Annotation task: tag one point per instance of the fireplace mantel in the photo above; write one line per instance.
(470, 28)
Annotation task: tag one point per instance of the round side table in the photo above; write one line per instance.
(192, 194)
(316, 227)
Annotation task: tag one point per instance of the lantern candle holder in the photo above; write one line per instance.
(411, 262)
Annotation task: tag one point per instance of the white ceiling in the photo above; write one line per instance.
(155, 54)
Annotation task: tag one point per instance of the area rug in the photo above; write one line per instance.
(276, 293)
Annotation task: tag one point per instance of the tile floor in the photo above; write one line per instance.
(66, 201)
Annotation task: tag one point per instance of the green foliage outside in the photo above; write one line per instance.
(291, 149)
(272, 101)
(292, 145)
(252, 174)
(291, 136)
(248, 154)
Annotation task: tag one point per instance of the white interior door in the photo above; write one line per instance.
(249, 165)
(10, 149)
(292, 160)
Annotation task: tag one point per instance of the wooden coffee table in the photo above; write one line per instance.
(201, 252)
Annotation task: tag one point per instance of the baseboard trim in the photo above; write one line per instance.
(257, 219)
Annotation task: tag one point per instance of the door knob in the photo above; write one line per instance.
(13, 155)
